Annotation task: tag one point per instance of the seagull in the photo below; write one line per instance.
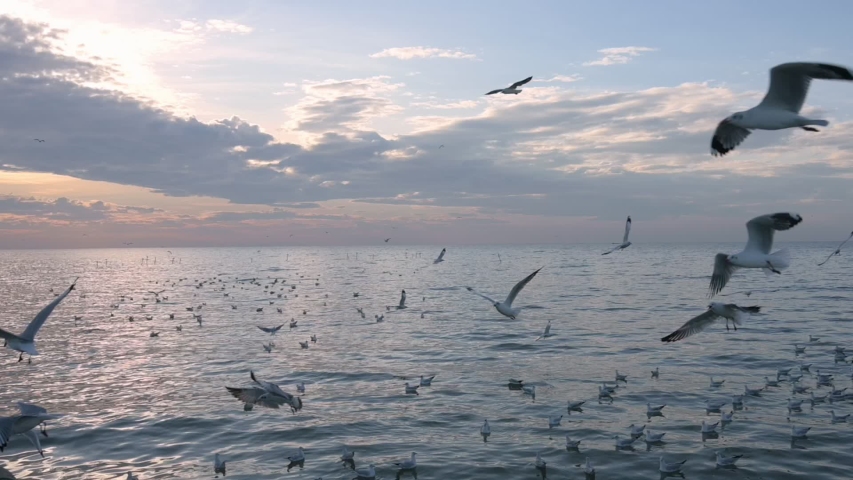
(368, 473)
(31, 416)
(409, 464)
(576, 405)
(625, 243)
(709, 428)
(554, 421)
(770, 383)
(531, 390)
(347, 456)
(540, 464)
(623, 443)
(485, 430)
(650, 409)
(512, 88)
(505, 307)
(546, 333)
(402, 304)
(412, 389)
(25, 342)
(314, 338)
(218, 465)
(838, 418)
(780, 108)
(303, 344)
(656, 373)
(666, 467)
(621, 378)
(730, 312)
(727, 417)
(756, 254)
(572, 444)
(426, 381)
(588, 469)
(837, 251)
(131, 476)
(298, 456)
(816, 399)
(799, 432)
(268, 395)
(440, 257)
(637, 431)
(38, 140)
(271, 330)
(386, 240)
(717, 383)
(268, 348)
(794, 405)
(726, 462)
(300, 387)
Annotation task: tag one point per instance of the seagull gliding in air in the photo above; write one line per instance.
(505, 307)
(625, 243)
(512, 88)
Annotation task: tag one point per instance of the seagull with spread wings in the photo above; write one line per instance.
(625, 243)
(25, 342)
(756, 254)
(505, 307)
(729, 311)
(837, 250)
(780, 108)
(512, 88)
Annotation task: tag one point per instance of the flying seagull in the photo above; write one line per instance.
(25, 342)
(38, 140)
(625, 243)
(837, 250)
(505, 307)
(271, 330)
(386, 240)
(512, 88)
(756, 254)
(780, 108)
(440, 257)
(716, 310)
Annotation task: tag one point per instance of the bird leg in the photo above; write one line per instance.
(44, 429)
(810, 129)
(21, 357)
(727, 324)
(772, 269)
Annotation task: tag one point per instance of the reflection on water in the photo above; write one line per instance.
(158, 405)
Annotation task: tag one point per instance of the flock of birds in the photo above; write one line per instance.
(780, 109)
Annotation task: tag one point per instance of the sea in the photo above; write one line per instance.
(158, 406)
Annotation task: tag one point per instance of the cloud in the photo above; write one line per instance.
(63, 211)
(410, 53)
(564, 78)
(227, 26)
(551, 152)
(618, 55)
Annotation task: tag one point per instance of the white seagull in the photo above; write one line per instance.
(25, 342)
(218, 465)
(505, 307)
(402, 304)
(485, 430)
(440, 257)
(726, 462)
(512, 88)
(756, 254)
(366, 473)
(730, 312)
(268, 395)
(780, 108)
(409, 464)
(31, 416)
(666, 467)
(625, 243)
(836, 252)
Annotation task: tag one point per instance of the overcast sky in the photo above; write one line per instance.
(186, 123)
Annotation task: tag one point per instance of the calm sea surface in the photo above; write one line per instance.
(158, 406)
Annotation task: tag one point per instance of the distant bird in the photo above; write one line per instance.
(625, 243)
(485, 430)
(440, 147)
(440, 257)
(154, 334)
(402, 303)
(554, 421)
(38, 140)
(386, 240)
(540, 464)
(368, 473)
(667, 467)
(756, 254)
(412, 389)
(218, 465)
(426, 381)
(409, 464)
(267, 348)
(837, 250)
(313, 338)
(545, 333)
(512, 88)
(505, 307)
(656, 372)
(730, 312)
(25, 342)
(271, 330)
(588, 469)
(726, 462)
(303, 344)
(298, 456)
(780, 108)
(799, 432)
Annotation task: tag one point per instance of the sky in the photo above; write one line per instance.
(222, 123)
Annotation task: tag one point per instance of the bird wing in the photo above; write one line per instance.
(495, 91)
(726, 137)
(789, 83)
(611, 250)
(35, 325)
(693, 326)
(723, 271)
(256, 396)
(31, 409)
(6, 426)
(517, 288)
(441, 255)
(272, 388)
(627, 230)
(520, 82)
(33, 437)
(761, 229)
(265, 329)
(475, 293)
(9, 335)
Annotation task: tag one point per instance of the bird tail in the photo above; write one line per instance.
(780, 261)
(752, 309)
(820, 123)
